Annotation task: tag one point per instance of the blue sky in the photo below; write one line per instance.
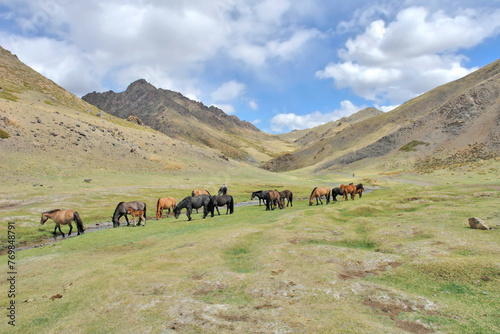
(280, 64)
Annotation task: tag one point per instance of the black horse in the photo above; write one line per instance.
(336, 192)
(222, 190)
(122, 210)
(221, 201)
(261, 195)
(195, 202)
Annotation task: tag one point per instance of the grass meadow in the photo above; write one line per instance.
(400, 259)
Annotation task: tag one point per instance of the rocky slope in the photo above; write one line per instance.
(440, 123)
(184, 119)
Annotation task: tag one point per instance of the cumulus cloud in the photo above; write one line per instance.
(253, 105)
(229, 90)
(416, 52)
(286, 122)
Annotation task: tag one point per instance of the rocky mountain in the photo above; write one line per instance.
(45, 130)
(447, 120)
(179, 117)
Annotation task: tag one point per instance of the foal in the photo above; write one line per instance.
(137, 213)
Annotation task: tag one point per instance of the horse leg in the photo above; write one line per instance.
(217, 208)
(58, 225)
(126, 218)
(188, 213)
(70, 229)
(55, 228)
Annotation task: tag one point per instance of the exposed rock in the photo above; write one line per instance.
(135, 120)
(478, 224)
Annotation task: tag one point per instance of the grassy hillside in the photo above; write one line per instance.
(401, 258)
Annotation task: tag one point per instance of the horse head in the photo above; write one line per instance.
(44, 218)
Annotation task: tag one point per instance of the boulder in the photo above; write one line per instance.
(478, 224)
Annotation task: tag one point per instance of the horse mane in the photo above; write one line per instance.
(313, 191)
(116, 209)
(52, 211)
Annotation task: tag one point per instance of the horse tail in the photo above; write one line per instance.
(231, 205)
(144, 213)
(290, 199)
(79, 222)
(192, 193)
(158, 208)
(208, 192)
(328, 196)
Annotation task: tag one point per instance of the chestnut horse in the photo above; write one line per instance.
(63, 217)
(317, 193)
(273, 199)
(166, 203)
(348, 189)
(136, 213)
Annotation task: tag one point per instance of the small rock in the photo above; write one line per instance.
(478, 224)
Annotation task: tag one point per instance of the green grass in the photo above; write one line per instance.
(306, 268)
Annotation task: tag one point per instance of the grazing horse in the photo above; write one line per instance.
(261, 195)
(348, 189)
(359, 189)
(166, 203)
(63, 217)
(122, 210)
(194, 202)
(288, 195)
(336, 192)
(222, 190)
(273, 199)
(197, 192)
(221, 201)
(317, 193)
(136, 213)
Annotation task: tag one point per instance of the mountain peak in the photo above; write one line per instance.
(141, 83)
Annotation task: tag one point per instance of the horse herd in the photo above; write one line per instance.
(197, 200)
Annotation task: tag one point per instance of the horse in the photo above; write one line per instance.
(222, 190)
(136, 213)
(261, 195)
(288, 195)
(166, 203)
(317, 193)
(335, 192)
(63, 217)
(273, 199)
(197, 192)
(221, 201)
(359, 189)
(194, 202)
(348, 189)
(122, 210)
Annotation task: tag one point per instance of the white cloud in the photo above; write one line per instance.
(229, 90)
(253, 105)
(286, 122)
(416, 52)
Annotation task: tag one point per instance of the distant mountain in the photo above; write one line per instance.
(46, 130)
(184, 119)
(441, 123)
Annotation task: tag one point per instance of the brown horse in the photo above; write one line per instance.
(136, 213)
(348, 189)
(166, 203)
(360, 189)
(288, 195)
(197, 192)
(273, 199)
(63, 217)
(317, 193)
